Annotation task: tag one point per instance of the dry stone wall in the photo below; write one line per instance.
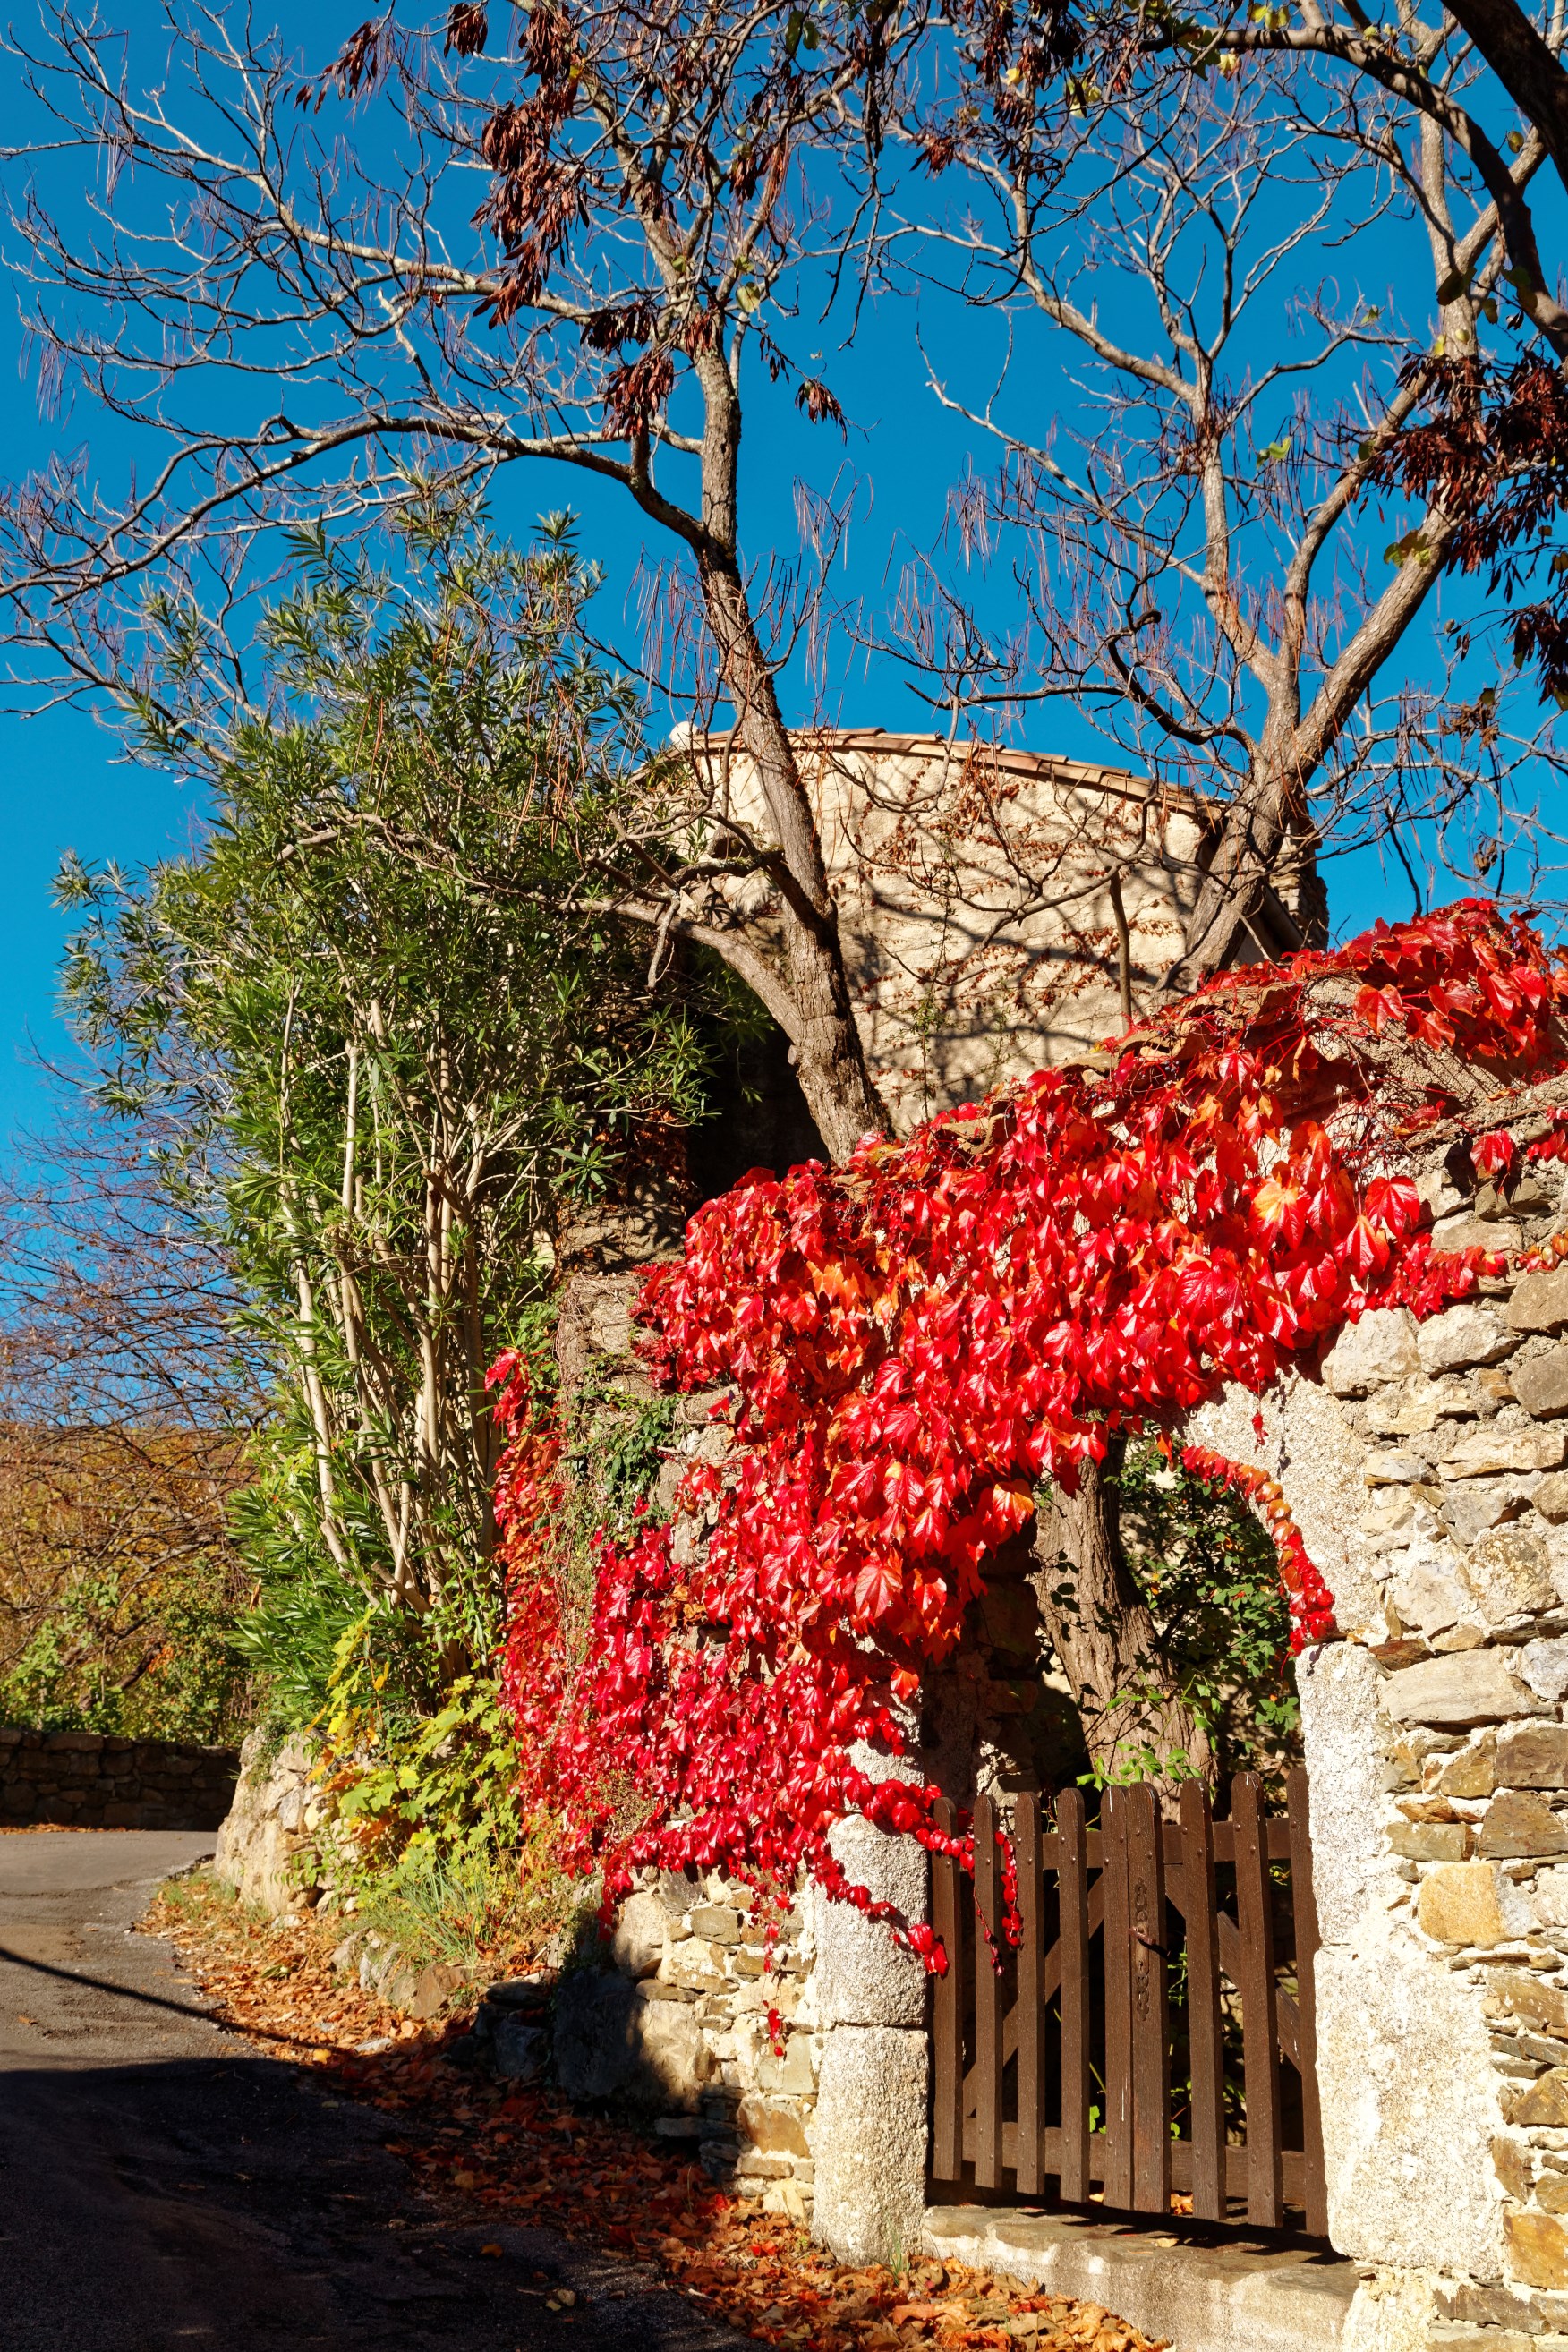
(87, 1779)
(703, 2023)
(1426, 1466)
(801, 2075)
(267, 1845)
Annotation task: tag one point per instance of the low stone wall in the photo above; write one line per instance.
(267, 1841)
(697, 2023)
(687, 2017)
(87, 1779)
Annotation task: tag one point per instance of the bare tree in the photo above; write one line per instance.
(293, 331)
(1197, 543)
(1486, 82)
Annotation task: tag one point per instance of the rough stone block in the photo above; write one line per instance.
(1511, 2162)
(1470, 1773)
(1339, 1688)
(1545, 2105)
(1491, 2306)
(519, 2051)
(1472, 1333)
(1430, 1841)
(1532, 1756)
(609, 2044)
(717, 1923)
(1473, 1506)
(673, 2062)
(1517, 1824)
(1494, 1234)
(1395, 1465)
(1487, 1450)
(1382, 1347)
(869, 2138)
(1540, 1303)
(862, 1976)
(398, 1983)
(1509, 1571)
(1515, 1992)
(775, 2130)
(1459, 1904)
(1550, 1497)
(1541, 1384)
(1458, 2335)
(641, 1934)
(696, 1964)
(1428, 1587)
(1471, 1686)
(1410, 2099)
(1544, 1666)
(1390, 1519)
(792, 2076)
(434, 1988)
(1538, 2242)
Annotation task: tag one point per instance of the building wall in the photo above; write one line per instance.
(973, 888)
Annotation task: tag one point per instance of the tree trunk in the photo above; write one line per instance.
(1135, 1722)
(825, 1042)
(1248, 851)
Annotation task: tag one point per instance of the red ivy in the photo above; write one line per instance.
(905, 1345)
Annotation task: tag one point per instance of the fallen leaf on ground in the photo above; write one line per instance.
(527, 2157)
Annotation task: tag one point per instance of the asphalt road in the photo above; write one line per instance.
(165, 2187)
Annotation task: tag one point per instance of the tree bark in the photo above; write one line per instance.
(1534, 77)
(1135, 1722)
(1249, 849)
(824, 1041)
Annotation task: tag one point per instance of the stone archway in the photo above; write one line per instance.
(1424, 1463)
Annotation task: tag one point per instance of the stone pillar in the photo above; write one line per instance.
(1425, 1468)
(867, 1998)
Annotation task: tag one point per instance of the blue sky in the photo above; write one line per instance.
(65, 789)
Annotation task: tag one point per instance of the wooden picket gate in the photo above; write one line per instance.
(1147, 1985)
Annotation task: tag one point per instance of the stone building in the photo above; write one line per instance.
(974, 885)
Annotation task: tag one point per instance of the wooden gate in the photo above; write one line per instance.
(1133, 2040)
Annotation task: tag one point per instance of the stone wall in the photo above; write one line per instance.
(690, 2018)
(267, 1845)
(85, 1780)
(1426, 1466)
(972, 889)
(696, 2023)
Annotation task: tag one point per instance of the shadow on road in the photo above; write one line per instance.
(230, 2201)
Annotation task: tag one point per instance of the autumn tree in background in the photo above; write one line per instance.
(128, 1396)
